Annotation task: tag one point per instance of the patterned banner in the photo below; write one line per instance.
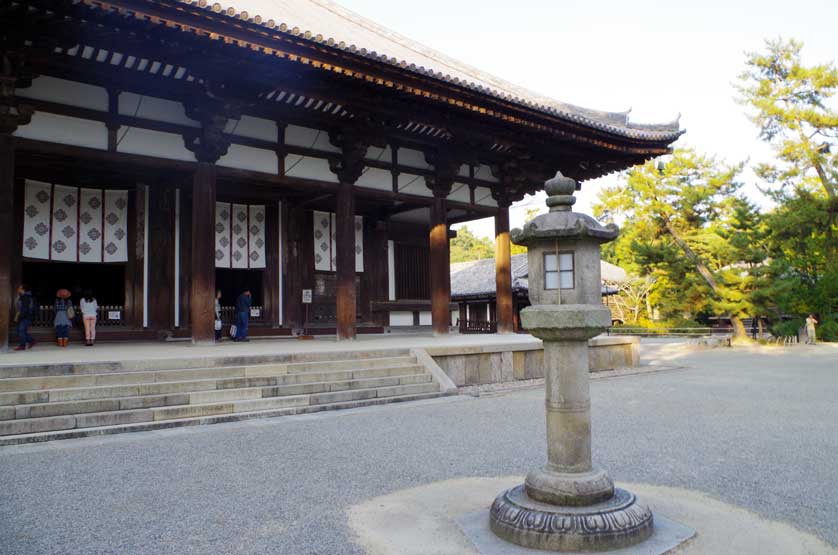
(257, 237)
(325, 242)
(116, 222)
(65, 223)
(239, 252)
(37, 220)
(239, 236)
(69, 224)
(91, 222)
(222, 234)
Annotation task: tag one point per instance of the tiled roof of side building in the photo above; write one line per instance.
(477, 277)
(332, 25)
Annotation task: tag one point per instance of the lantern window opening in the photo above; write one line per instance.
(559, 270)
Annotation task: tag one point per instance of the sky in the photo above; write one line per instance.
(659, 58)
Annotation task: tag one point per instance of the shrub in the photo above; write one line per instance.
(828, 330)
(788, 327)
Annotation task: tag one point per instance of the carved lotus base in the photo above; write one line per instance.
(612, 524)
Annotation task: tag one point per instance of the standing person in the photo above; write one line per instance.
(89, 311)
(242, 315)
(811, 322)
(63, 314)
(218, 322)
(25, 312)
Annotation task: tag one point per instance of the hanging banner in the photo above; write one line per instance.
(325, 242)
(37, 220)
(65, 224)
(91, 221)
(239, 236)
(116, 224)
(69, 224)
(222, 234)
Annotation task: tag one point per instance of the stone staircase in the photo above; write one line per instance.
(62, 401)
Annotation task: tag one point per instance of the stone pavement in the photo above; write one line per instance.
(753, 428)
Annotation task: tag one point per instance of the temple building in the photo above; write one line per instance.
(155, 151)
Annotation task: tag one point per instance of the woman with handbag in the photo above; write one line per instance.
(64, 313)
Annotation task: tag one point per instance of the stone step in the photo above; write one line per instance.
(132, 416)
(188, 386)
(71, 432)
(153, 365)
(39, 410)
(32, 384)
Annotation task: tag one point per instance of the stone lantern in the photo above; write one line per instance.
(567, 505)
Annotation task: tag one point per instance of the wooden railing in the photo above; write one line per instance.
(476, 326)
(107, 315)
(228, 314)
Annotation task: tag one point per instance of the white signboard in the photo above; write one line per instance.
(307, 296)
(114, 315)
(255, 312)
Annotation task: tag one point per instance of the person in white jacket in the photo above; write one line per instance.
(89, 310)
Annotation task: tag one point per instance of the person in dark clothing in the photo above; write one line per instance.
(25, 313)
(242, 315)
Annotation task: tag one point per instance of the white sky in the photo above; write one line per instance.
(660, 58)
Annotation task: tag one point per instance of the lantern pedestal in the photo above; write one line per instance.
(567, 505)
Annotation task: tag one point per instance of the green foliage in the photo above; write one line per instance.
(688, 229)
(828, 331)
(467, 246)
(787, 328)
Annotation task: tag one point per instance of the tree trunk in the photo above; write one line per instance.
(704, 271)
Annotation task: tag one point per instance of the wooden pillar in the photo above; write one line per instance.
(7, 219)
(345, 261)
(270, 277)
(209, 143)
(161, 278)
(446, 169)
(348, 167)
(12, 115)
(503, 271)
(202, 295)
(440, 278)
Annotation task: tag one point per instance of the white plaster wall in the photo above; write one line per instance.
(484, 172)
(454, 315)
(156, 109)
(309, 168)
(380, 154)
(483, 197)
(67, 92)
(460, 193)
(374, 178)
(413, 158)
(249, 158)
(133, 140)
(391, 270)
(401, 318)
(309, 138)
(410, 185)
(65, 130)
(425, 318)
(464, 170)
(255, 128)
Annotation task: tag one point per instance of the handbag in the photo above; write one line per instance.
(218, 325)
(233, 330)
(71, 312)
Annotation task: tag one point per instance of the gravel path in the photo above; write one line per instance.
(753, 428)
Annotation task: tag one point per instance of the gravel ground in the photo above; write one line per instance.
(755, 428)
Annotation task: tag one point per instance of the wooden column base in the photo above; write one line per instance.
(503, 273)
(202, 298)
(7, 288)
(440, 277)
(345, 260)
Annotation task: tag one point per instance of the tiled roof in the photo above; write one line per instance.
(477, 277)
(326, 23)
